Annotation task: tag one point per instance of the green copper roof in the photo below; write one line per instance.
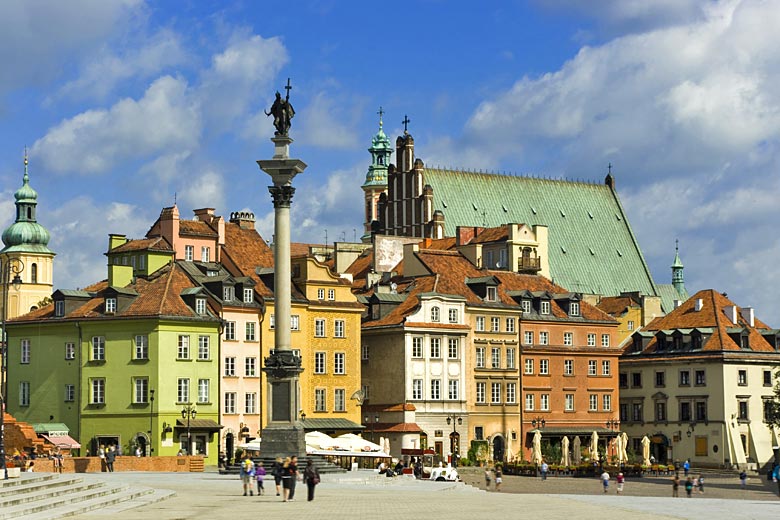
(668, 293)
(592, 248)
(380, 157)
(25, 235)
(677, 262)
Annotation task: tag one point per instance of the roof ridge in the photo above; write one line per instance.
(167, 287)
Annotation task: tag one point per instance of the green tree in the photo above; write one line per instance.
(772, 415)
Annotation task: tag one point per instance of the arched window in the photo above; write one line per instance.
(435, 314)
(34, 273)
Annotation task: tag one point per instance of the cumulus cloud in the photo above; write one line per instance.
(94, 141)
(328, 122)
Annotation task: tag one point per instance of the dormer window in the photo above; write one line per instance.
(200, 306)
(249, 295)
(526, 306)
(744, 341)
(544, 307)
(435, 314)
(59, 308)
(110, 305)
(229, 293)
(320, 294)
(453, 315)
(331, 294)
(205, 254)
(490, 296)
(212, 272)
(574, 309)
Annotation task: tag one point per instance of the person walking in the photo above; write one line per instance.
(688, 486)
(247, 473)
(700, 480)
(743, 479)
(110, 458)
(285, 479)
(676, 485)
(311, 476)
(277, 473)
(102, 456)
(294, 476)
(621, 480)
(487, 477)
(260, 477)
(605, 480)
(545, 468)
(499, 478)
(687, 466)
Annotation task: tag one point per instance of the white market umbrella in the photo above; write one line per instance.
(565, 451)
(387, 445)
(618, 447)
(624, 447)
(577, 449)
(645, 451)
(320, 441)
(253, 445)
(352, 442)
(536, 455)
(594, 447)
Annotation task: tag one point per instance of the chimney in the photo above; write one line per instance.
(204, 214)
(699, 304)
(465, 234)
(748, 315)
(731, 313)
(244, 219)
(676, 303)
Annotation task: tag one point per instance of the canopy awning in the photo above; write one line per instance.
(560, 431)
(63, 441)
(200, 424)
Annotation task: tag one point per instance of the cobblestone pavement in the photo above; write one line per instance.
(363, 495)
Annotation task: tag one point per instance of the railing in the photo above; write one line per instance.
(526, 263)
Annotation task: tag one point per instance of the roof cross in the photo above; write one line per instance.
(406, 121)
(609, 169)
(288, 88)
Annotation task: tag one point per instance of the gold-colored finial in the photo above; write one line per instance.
(25, 155)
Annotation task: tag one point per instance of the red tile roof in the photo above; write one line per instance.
(495, 234)
(616, 305)
(144, 244)
(197, 228)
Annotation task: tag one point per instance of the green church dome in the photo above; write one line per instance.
(25, 234)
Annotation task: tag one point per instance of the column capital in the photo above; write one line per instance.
(282, 195)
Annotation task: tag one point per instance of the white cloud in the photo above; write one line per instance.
(328, 122)
(205, 189)
(164, 119)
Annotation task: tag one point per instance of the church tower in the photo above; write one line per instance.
(376, 178)
(26, 254)
(678, 281)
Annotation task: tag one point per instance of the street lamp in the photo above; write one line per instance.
(613, 425)
(538, 422)
(151, 418)
(454, 419)
(368, 421)
(15, 266)
(188, 412)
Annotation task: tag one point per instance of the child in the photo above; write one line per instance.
(605, 480)
(701, 485)
(689, 486)
(260, 475)
(498, 478)
(620, 481)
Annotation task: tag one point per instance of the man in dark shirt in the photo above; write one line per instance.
(293, 469)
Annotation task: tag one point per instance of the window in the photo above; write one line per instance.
(230, 330)
(685, 378)
(200, 306)
(591, 367)
(660, 379)
(591, 340)
(491, 294)
(189, 253)
(183, 390)
(606, 402)
(295, 323)
(25, 354)
(605, 340)
(528, 337)
(699, 378)
(480, 324)
(636, 412)
(70, 393)
(636, 379)
(338, 363)
(142, 347)
(331, 294)
(230, 402)
(510, 324)
(495, 393)
(568, 338)
(184, 347)
(417, 389)
(452, 389)
(574, 309)
(24, 393)
(529, 366)
(320, 294)
(98, 348)
(593, 402)
(767, 378)
(417, 347)
(250, 402)
(510, 358)
(742, 411)
(204, 386)
(453, 348)
(623, 380)
(742, 377)
(701, 410)
(435, 348)
(660, 411)
(481, 386)
(568, 367)
(110, 305)
(529, 401)
(480, 361)
(230, 366)
(205, 254)
(605, 367)
(435, 389)
(320, 397)
(525, 305)
(250, 328)
(140, 390)
(272, 321)
(568, 403)
(364, 352)
(685, 411)
(630, 325)
(435, 311)
(339, 400)
(544, 338)
(319, 328)
(366, 394)
(203, 348)
(453, 315)
(59, 308)
(544, 307)
(544, 367)
(511, 393)
(544, 402)
(97, 391)
(249, 295)
(228, 293)
(338, 328)
(250, 367)
(495, 324)
(495, 357)
(319, 362)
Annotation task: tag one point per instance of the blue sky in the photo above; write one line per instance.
(125, 103)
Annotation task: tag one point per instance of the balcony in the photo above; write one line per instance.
(527, 264)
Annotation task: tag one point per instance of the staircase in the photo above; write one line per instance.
(46, 495)
(196, 465)
(322, 464)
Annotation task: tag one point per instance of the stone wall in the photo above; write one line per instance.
(124, 463)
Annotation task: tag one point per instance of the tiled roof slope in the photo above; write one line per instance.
(158, 296)
(711, 315)
(668, 294)
(592, 246)
(614, 305)
(493, 234)
(247, 250)
(144, 244)
(196, 227)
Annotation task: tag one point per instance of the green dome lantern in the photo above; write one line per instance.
(26, 235)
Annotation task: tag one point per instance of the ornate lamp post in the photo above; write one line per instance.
(454, 419)
(151, 418)
(538, 422)
(367, 420)
(189, 412)
(15, 266)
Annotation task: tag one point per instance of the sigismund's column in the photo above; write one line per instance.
(284, 434)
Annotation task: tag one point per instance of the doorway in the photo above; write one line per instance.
(499, 448)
